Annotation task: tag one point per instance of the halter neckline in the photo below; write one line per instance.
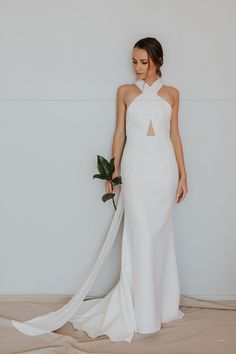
(155, 86)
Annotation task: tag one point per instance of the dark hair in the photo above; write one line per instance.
(154, 50)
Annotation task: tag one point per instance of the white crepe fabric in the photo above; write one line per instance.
(147, 293)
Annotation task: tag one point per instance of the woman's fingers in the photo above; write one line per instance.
(179, 191)
(108, 187)
(181, 195)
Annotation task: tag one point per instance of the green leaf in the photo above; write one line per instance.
(107, 196)
(99, 176)
(117, 180)
(103, 166)
(112, 166)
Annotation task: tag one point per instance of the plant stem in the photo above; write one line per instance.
(113, 197)
(113, 202)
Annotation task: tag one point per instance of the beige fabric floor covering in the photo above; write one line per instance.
(208, 327)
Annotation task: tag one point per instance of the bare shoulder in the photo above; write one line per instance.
(174, 92)
(171, 94)
(122, 89)
(125, 93)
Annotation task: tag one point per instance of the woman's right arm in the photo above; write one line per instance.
(119, 137)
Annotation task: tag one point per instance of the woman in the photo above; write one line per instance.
(148, 148)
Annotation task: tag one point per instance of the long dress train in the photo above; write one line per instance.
(147, 293)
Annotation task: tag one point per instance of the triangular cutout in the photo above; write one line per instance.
(150, 130)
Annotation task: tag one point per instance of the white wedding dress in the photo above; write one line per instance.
(147, 293)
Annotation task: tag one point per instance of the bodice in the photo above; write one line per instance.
(148, 108)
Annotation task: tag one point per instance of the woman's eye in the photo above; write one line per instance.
(142, 63)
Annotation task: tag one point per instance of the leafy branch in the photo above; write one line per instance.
(106, 170)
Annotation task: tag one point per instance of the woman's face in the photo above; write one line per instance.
(140, 64)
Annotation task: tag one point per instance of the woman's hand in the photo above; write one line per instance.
(109, 187)
(182, 189)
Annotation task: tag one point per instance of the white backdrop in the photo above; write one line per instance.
(60, 65)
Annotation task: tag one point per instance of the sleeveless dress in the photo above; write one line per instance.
(147, 293)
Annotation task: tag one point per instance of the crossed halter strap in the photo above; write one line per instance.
(153, 88)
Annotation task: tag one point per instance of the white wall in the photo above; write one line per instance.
(60, 65)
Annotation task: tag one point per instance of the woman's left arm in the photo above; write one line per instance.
(178, 148)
